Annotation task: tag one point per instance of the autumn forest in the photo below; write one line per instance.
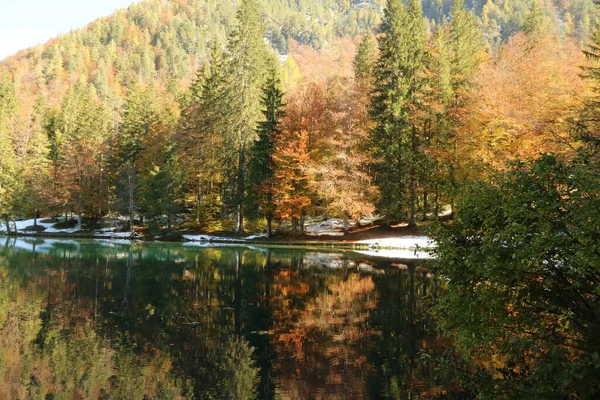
(471, 123)
(215, 114)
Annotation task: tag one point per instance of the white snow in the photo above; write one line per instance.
(21, 225)
(210, 238)
(330, 227)
(207, 244)
(53, 230)
(402, 242)
(397, 253)
(116, 235)
(258, 236)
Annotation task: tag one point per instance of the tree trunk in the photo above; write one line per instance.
(346, 225)
(80, 203)
(35, 216)
(131, 221)
(425, 205)
(240, 191)
(269, 221)
(6, 221)
(131, 195)
(412, 182)
(294, 225)
(302, 215)
(436, 209)
(198, 200)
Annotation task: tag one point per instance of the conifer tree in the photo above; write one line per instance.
(466, 44)
(262, 165)
(143, 132)
(396, 105)
(8, 166)
(140, 116)
(33, 169)
(162, 188)
(586, 125)
(203, 128)
(248, 53)
(534, 20)
(365, 59)
(84, 125)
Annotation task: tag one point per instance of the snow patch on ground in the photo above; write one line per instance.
(116, 235)
(397, 253)
(68, 230)
(329, 227)
(210, 238)
(208, 244)
(257, 236)
(401, 242)
(49, 226)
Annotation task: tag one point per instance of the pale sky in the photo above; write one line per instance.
(27, 23)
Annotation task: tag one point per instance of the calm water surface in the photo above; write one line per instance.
(93, 319)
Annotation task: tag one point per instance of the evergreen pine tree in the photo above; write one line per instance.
(365, 59)
(248, 53)
(466, 44)
(262, 166)
(534, 20)
(586, 125)
(140, 115)
(204, 126)
(8, 167)
(162, 189)
(396, 105)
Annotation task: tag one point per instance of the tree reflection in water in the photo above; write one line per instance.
(87, 319)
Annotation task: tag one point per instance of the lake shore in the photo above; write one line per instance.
(375, 240)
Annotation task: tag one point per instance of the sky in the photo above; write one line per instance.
(27, 23)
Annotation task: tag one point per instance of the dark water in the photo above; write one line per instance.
(83, 319)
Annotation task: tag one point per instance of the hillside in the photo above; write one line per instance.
(166, 41)
(162, 94)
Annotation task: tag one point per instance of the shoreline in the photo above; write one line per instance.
(374, 244)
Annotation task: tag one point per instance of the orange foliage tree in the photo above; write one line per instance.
(522, 102)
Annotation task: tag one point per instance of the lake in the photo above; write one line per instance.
(114, 320)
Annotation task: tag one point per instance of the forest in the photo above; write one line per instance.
(209, 116)
(243, 116)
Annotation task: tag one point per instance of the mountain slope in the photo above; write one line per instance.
(166, 40)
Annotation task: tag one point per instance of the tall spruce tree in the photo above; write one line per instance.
(8, 165)
(365, 60)
(466, 44)
(204, 126)
(248, 53)
(534, 21)
(262, 165)
(162, 188)
(139, 120)
(396, 106)
(586, 125)
(83, 124)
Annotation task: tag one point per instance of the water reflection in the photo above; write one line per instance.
(97, 319)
